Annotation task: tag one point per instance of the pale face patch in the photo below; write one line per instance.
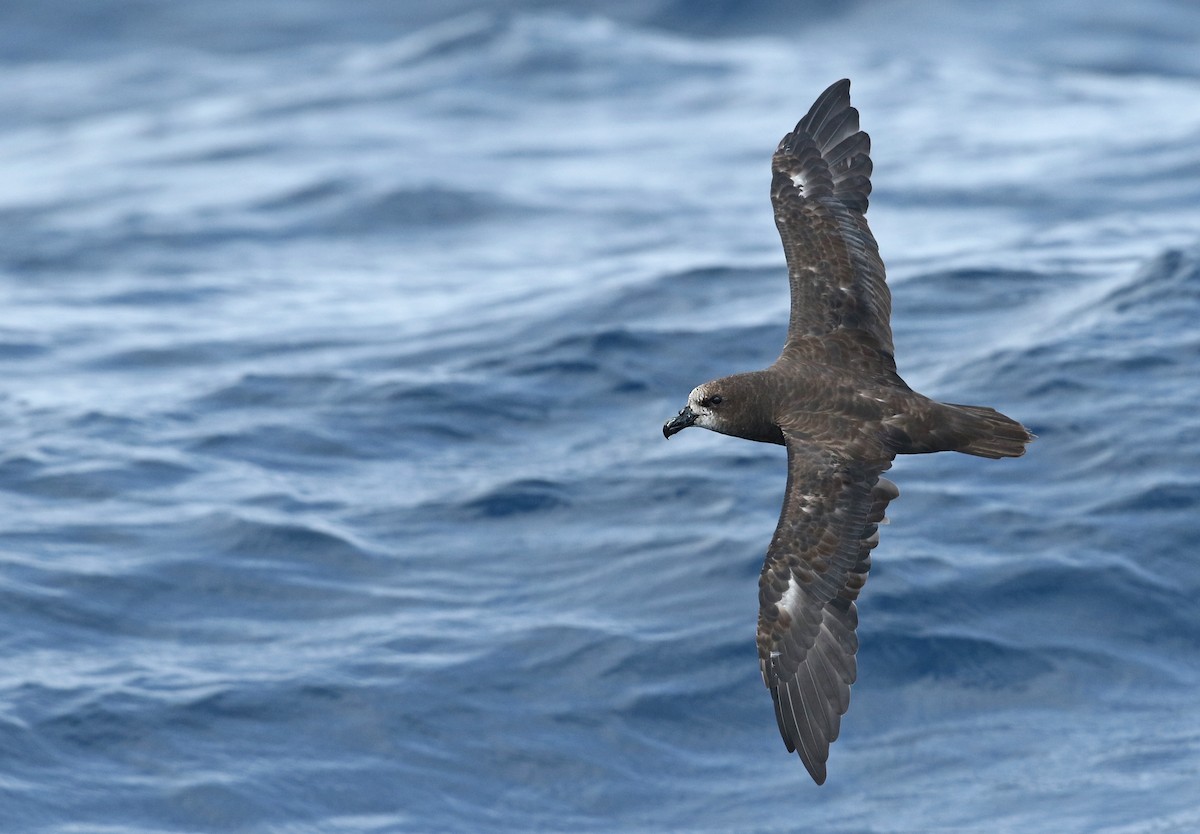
(704, 415)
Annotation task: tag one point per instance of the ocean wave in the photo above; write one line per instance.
(337, 352)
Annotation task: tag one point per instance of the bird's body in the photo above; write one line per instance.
(835, 400)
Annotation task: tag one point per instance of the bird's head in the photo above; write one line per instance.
(706, 406)
(740, 405)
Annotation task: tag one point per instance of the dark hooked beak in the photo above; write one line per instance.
(679, 422)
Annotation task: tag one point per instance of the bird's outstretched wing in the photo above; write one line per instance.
(819, 188)
(814, 570)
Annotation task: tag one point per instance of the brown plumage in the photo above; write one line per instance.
(833, 397)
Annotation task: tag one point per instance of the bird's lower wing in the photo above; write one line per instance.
(816, 566)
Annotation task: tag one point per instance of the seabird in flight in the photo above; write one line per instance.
(834, 399)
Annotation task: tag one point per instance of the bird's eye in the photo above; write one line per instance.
(715, 400)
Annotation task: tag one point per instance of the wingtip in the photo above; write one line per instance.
(838, 89)
(826, 153)
(816, 771)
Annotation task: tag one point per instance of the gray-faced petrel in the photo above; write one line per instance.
(833, 397)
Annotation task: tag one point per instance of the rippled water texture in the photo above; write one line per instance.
(337, 340)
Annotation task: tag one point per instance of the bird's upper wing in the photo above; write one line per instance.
(814, 570)
(819, 188)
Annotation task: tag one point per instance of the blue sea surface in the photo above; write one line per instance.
(337, 339)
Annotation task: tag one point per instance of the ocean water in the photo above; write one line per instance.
(337, 339)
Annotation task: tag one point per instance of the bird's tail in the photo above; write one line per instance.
(982, 431)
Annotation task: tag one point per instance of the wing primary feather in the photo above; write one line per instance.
(816, 705)
(782, 722)
(793, 725)
(849, 151)
(813, 122)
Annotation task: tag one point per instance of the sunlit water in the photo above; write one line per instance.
(337, 342)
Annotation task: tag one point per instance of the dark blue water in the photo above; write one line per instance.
(336, 342)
